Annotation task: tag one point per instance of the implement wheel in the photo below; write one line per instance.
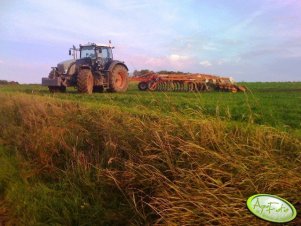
(118, 79)
(85, 81)
(152, 86)
(143, 86)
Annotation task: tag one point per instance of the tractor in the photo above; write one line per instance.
(94, 71)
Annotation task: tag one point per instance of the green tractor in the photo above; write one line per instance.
(94, 71)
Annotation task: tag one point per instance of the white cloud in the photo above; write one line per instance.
(206, 63)
(175, 57)
(72, 21)
(172, 62)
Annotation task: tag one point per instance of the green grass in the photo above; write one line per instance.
(273, 104)
(73, 198)
(140, 158)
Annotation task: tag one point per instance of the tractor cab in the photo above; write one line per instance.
(96, 52)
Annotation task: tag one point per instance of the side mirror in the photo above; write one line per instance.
(70, 52)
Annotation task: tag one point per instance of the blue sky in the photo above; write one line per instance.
(254, 40)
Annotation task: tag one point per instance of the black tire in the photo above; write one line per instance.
(85, 81)
(118, 79)
(57, 89)
(98, 89)
(143, 86)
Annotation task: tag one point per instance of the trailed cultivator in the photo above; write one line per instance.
(187, 83)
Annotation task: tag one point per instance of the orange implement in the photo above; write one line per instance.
(186, 82)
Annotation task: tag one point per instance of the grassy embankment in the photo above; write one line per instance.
(146, 157)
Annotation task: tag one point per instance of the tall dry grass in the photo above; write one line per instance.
(167, 170)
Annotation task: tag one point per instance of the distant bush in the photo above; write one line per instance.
(4, 82)
(142, 72)
(172, 72)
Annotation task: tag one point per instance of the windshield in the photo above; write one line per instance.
(105, 53)
(88, 51)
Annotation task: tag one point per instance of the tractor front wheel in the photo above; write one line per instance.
(85, 81)
(118, 79)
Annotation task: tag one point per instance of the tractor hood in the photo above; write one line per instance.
(64, 66)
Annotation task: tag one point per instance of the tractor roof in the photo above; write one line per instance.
(96, 44)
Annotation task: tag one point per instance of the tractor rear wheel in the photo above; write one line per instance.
(118, 79)
(85, 81)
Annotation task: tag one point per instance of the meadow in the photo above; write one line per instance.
(139, 158)
(271, 103)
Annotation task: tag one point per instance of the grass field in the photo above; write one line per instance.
(273, 104)
(147, 158)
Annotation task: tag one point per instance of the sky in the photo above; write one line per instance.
(254, 40)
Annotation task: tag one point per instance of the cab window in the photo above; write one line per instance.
(87, 52)
(106, 53)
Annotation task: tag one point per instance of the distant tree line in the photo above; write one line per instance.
(142, 72)
(171, 72)
(4, 82)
